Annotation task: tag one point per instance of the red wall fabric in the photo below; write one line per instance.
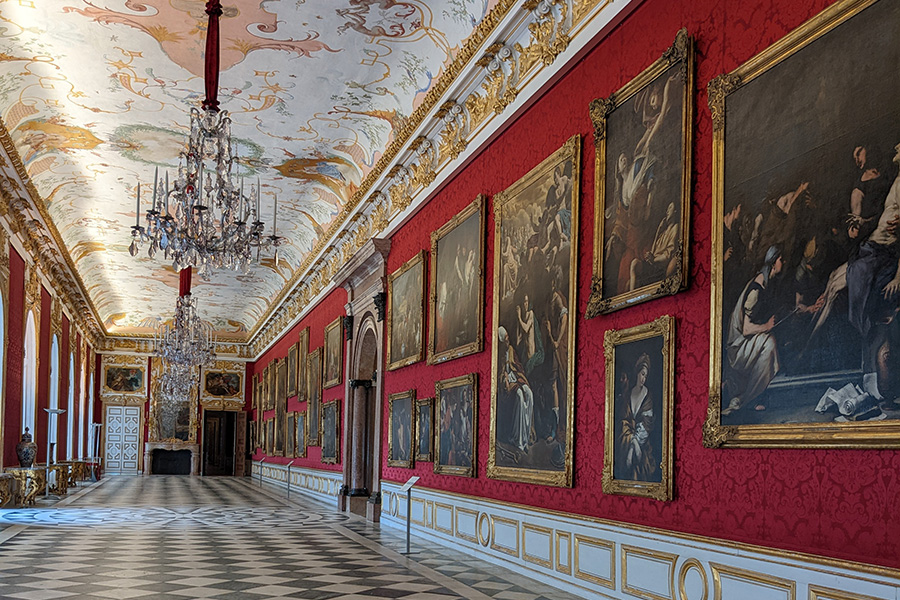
(322, 314)
(15, 356)
(43, 383)
(76, 436)
(830, 502)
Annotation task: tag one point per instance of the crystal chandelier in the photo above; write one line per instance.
(188, 341)
(205, 220)
(174, 388)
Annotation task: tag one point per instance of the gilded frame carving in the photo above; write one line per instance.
(314, 396)
(416, 262)
(302, 355)
(153, 433)
(333, 346)
(681, 51)
(853, 434)
(290, 434)
(123, 361)
(270, 437)
(569, 152)
(407, 396)
(663, 327)
(270, 384)
(328, 407)
(292, 370)
(280, 407)
(300, 441)
(233, 401)
(477, 207)
(424, 436)
(470, 381)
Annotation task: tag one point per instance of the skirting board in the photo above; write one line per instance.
(322, 486)
(603, 559)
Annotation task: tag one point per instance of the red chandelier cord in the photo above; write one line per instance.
(184, 281)
(211, 73)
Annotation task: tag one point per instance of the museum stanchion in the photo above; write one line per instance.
(407, 487)
(53, 414)
(290, 464)
(261, 461)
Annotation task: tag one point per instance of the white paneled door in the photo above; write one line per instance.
(123, 440)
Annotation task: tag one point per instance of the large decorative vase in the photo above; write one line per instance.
(26, 450)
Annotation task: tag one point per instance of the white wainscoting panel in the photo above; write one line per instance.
(606, 559)
(320, 485)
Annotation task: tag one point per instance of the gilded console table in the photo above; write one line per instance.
(31, 480)
(77, 469)
(61, 486)
(8, 489)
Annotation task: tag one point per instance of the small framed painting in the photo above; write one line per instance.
(639, 405)
(292, 371)
(406, 310)
(331, 424)
(333, 353)
(456, 401)
(400, 432)
(314, 395)
(424, 429)
(300, 433)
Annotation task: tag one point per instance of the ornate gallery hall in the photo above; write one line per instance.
(583, 298)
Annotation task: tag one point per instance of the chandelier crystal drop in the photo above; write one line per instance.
(188, 341)
(205, 220)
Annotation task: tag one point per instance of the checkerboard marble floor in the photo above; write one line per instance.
(190, 537)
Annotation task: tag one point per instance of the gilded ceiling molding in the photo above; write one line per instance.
(19, 208)
(443, 127)
(33, 291)
(4, 261)
(56, 316)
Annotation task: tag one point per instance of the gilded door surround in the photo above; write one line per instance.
(4, 313)
(364, 276)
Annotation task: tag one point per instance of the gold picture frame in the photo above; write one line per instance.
(314, 395)
(292, 370)
(555, 179)
(331, 432)
(443, 296)
(456, 410)
(630, 266)
(401, 407)
(424, 429)
(334, 354)
(124, 376)
(222, 385)
(280, 407)
(270, 384)
(792, 405)
(290, 436)
(410, 277)
(638, 442)
(300, 441)
(302, 356)
(270, 437)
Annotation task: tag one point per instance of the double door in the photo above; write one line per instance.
(123, 440)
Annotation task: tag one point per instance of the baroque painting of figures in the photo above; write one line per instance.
(124, 379)
(333, 353)
(314, 395)
(300, 443)
(400, 444)
(809, 236)
(424, 428)
(280, 406)
(457, 254)
(292, 371)
(639, 378)
(330, 424)
(406, 313)
(457, 404)
(643, 183)
(223, 385)
(532, 396)
(290, 434)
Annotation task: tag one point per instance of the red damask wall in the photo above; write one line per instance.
(839, 503)
(326, 311)
(43, 391)
(15, 356)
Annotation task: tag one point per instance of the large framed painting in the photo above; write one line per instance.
(400, 429)
(532, 376)
(270, 385)
(457, 404)
(124, 379)
(302, 358)
(424, 429)
(642, 186)
(405, 318)
(290, 434)
(280, 406)
(456, 310)
(222, 385)
(640, 362)
(300, 441)
(331, 425)
(292, 370)
(314, 396)
(333, 353)
(805, 339)
(270, 437)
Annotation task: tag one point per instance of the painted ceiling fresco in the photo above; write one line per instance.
(96, 94)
